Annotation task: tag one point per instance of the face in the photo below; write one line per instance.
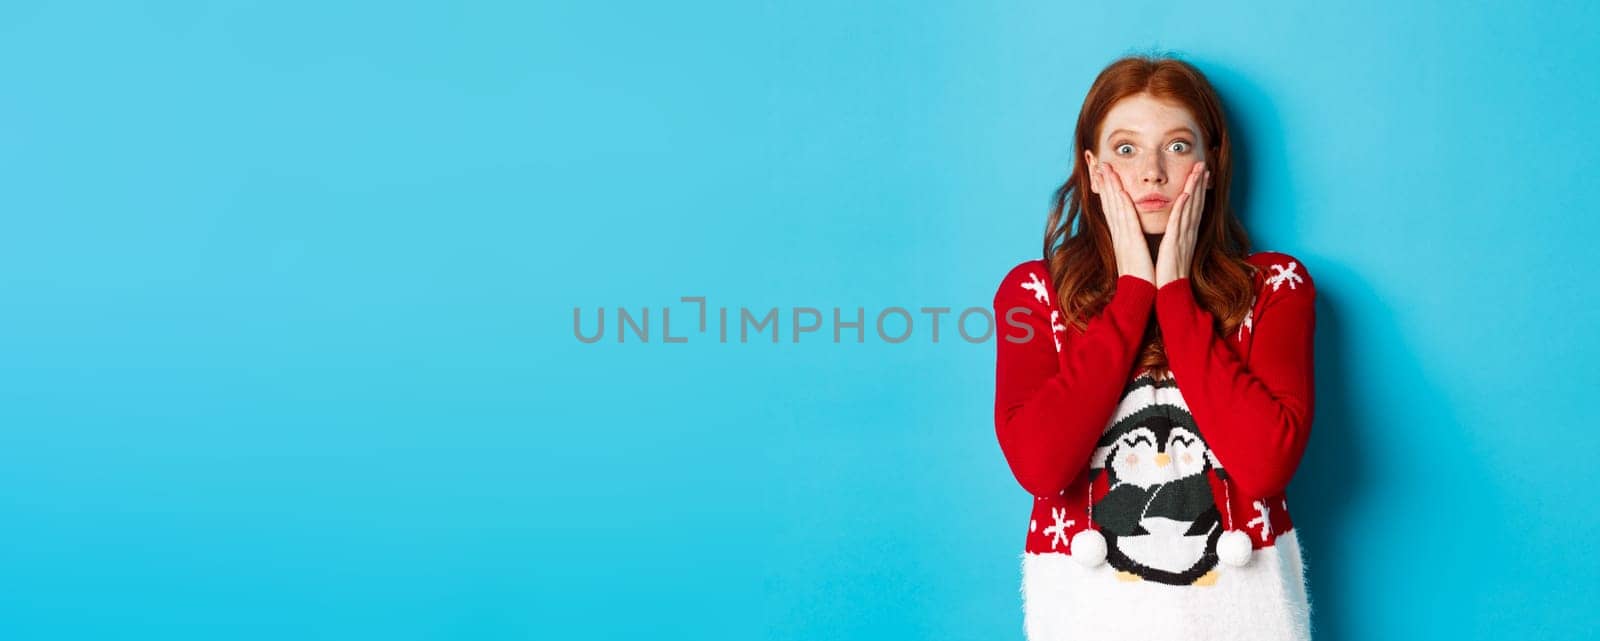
(1152, 144)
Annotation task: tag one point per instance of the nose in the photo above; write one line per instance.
(1163, 459)
(1153, 170)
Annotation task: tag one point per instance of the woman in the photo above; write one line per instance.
(1153, 385)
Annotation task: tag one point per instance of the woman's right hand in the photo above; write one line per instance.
(1127, 235)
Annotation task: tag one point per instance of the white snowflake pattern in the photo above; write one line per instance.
(1262, 520)
(1281, 275)
(1056, 326)
(1058, 531)
(1036, 286)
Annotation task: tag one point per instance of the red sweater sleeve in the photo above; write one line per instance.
(1050, 407)
(1256, 415)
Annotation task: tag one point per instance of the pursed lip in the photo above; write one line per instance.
(1153, 200)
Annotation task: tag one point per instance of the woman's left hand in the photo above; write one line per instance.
(1176, 252)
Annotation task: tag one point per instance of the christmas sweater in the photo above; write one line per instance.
(1161, 469)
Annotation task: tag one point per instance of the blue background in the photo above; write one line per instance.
(288, 297)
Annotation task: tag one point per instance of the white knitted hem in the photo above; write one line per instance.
(1265, 600)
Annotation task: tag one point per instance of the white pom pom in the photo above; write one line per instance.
(1089, 548)
(1234, 547)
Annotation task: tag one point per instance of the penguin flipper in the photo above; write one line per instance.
(1204, 523)
(1120, 510)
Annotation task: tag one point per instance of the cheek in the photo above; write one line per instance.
(1188, 166)
(1124, 172)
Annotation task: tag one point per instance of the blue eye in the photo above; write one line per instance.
(1120, 151)
(1180, 146)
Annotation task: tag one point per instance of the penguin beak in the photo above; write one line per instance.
(1163, 459)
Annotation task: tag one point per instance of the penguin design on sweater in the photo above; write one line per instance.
(1159, 517)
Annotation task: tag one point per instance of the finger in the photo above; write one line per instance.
(1100, 185)
(1105, 183)
(1112, 181)
(1167, 252)
(1194, 175)
(1190, 219)
(1169, 239)
(1180, 213)
(1108, 193)
(1120, 196)
(1126, 209)
(1198, 209)
(1108, 207)
(1188, 203)
(1175, 221)
(1199, 203)
(1190, 197)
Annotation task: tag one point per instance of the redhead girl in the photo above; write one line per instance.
(1153, 383)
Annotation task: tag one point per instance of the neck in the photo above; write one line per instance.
(1155, 243)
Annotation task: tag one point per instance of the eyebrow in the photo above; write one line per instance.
(1173, 130)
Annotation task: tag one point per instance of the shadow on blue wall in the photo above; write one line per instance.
(1334, 472)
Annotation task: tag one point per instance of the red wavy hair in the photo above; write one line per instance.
(1083, 265)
